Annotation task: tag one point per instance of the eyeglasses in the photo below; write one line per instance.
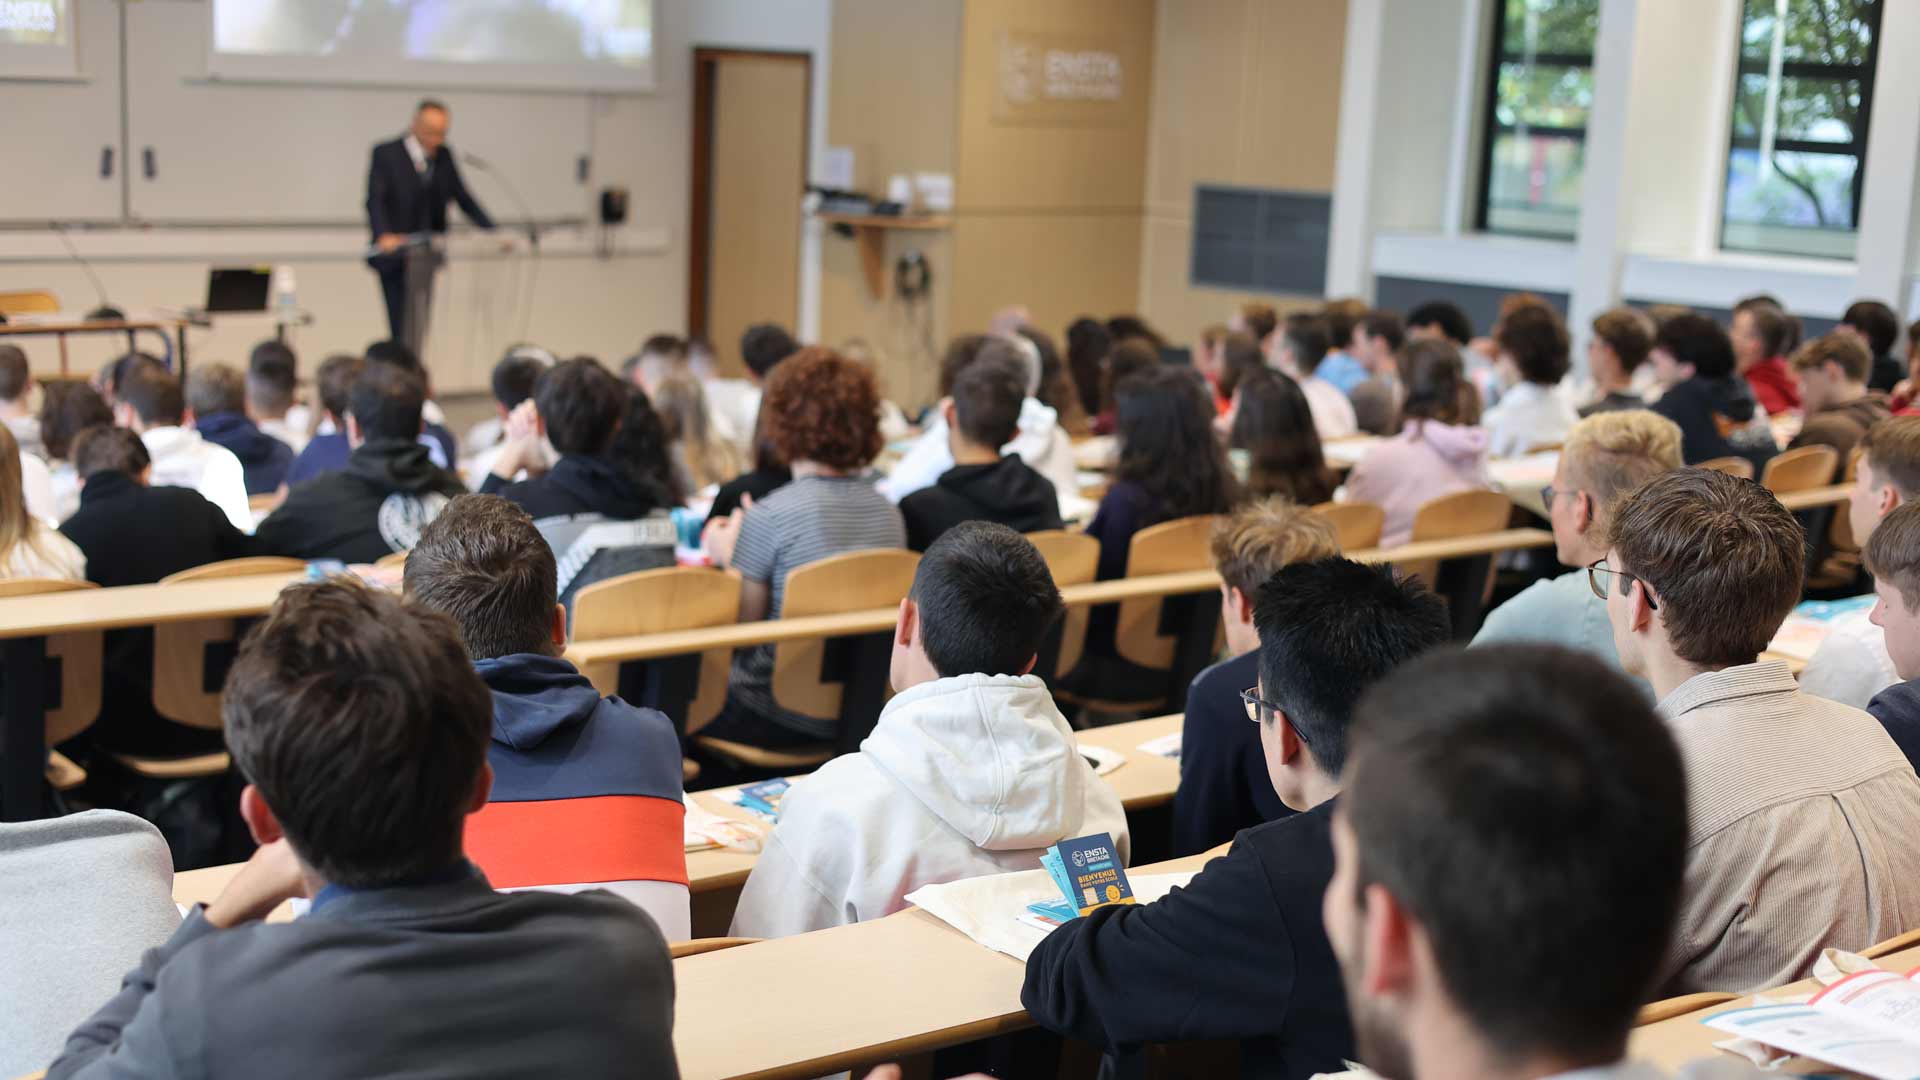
(1620, 586)
(1259, 708)
(1547, 495)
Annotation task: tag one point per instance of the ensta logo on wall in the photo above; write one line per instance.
(1059, 79)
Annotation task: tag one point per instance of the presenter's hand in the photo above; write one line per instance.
(390, 242)
(268, 879)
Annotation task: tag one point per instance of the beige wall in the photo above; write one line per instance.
(1245, 92)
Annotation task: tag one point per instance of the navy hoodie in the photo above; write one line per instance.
(264, 458)
(1898, 710)
(585, 788)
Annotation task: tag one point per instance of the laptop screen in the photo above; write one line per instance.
(238, 288)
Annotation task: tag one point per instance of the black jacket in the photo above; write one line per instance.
(1224, 786)
(1898, 710)
(374, 507)
(1714, 415)
(399, 201)
(136, 535)
(759, 483)
(1008, 491)
(577, 484)
(1238, 954)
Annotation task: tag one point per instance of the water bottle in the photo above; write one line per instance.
(286, 305)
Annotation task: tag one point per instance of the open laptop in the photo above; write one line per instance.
(242, 288)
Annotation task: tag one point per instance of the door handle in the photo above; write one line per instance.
(147, 163)
(106, 163)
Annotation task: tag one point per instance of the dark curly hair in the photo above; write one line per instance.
(824, 408)
(1167, 445)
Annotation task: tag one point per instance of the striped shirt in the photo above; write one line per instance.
(810, 519)
(1805, 830)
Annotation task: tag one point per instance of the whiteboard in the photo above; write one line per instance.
(260, 154)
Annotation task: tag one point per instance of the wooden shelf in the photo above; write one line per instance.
(870, 232)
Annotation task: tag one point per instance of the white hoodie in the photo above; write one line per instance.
(962, 777)
(183, 458)
(1040, 442)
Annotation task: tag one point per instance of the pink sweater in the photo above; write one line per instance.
(1425, 461)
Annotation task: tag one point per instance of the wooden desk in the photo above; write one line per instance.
(62, 330)
(1672, 1043)
(850, 996)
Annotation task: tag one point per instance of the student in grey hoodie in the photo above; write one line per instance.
(970, 771)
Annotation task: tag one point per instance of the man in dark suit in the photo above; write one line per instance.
(409, 184)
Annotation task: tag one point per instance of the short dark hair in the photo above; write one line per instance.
(365, 728)
(822, 407)
(1260, 319)
(1382, 323)
(115, 373)
(986, 600)
(581, 404)
(394, 352)
(105, 448)
(1342, 316)
(1536, 338)
(1133, 327)
(1893, 552)
(154, 395)
(386, 402)
(1240, 355)
(1308, 337)
(1449, 317)
(513, 378)
(764, 345)
(483, 564)
(67, 409)
(1443, 752)
(959, 355)
(1697, 340)
(429, 103)
(1850, 353)
(215, 388)
(1891, 448)
(273, 356)
(1331, 628)
(1778, 330)
(14, 374)
(273, 374)
(1629, 333)
(1876, 321)
(1726, 559)
(987, 396)
(334, 381)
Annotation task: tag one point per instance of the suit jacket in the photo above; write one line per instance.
(1240, 953)
(1224, 786)
(448, 979)
(399, 201)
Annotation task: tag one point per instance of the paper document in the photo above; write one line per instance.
(1868, 1022)
(989, 909)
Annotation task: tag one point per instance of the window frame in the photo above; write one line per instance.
(1867, 75)
(1491, 129)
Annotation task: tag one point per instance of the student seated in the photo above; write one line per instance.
(586, 789)
(1534, 411)
(1762, 336)
(1271, 440)
(16, 401)
(1549, 980)
(1622, 338)
(362, 728)
(445, 449)
(1377, 339)
(823, 416)
(702, 456)
(1800, 807)
(981, 416)
(273, 383)
(1299, 347)
(217, 396)
(1833, 373)
(598, 520)
(1606, 456)
(1088, 344)
(1341, 368)
(1892, 556)
(29, 547)
(328, 450)
(1241, 952)
(1440, 320)
(1224, 785)
(659, 356)
(1693, 362)
(1874, 325)
(1128, 357)
(85, 896)
(388, 492)
(152, 405)
(735, 403)
(512, 383)
(1439, 451)
(66, 409)
(870, 827)
(1852, 665)
(768, 475)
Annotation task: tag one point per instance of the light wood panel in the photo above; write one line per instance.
(1059, 265)
(851, 582)
(758, 175)
(652, 601)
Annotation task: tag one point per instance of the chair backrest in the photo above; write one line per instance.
(659, 601)
(1074, 559)
(181, 690)
(1732, 466)
(82, 659)
(1356, 525)
(29, 302)
(1166, 548)
(1801, 470)
(856, 581)
(1464, 513)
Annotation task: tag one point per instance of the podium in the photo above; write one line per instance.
(421, 256)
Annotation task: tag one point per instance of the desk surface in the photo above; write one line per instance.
(141, 605)
(86, 326)
(1672, 1043)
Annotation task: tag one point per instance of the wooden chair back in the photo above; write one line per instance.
(1356, 525)
(1801, 470)
(1732, 466)
(856, 581)
(180, 649)
(1897, 943)
(1166, 548)
(655, 602)
(1464, 513)
(28, 302)
(82, 659)
(1654, 1012)
(1074, 558)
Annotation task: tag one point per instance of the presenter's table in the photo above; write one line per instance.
(67, 328)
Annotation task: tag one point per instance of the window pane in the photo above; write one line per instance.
(1802, 205)
(1533, 184)
(1838, 32)
(1531, 27)
(1543, 96)
(1810, 110)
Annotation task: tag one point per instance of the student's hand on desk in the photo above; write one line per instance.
(269, 879)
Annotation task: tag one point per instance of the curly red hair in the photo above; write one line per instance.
(822, 407)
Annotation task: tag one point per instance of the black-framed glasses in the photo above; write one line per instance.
(1621, 580)
(1547, 495)
(1259, 709)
